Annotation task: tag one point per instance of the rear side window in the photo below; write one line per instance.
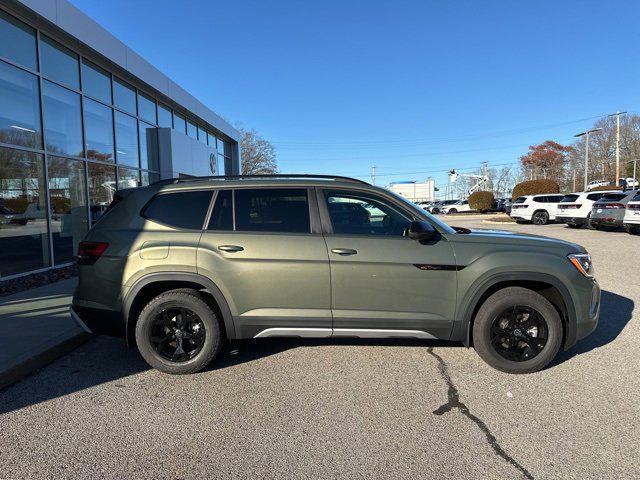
(554, 199)
(180, 210)
(272, 210)
(222, 214)
(569, 198)
(540, 199)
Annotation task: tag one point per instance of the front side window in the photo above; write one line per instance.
(184, 210)
(272, 210)
(354, 213)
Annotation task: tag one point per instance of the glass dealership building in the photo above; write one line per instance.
(81, 116)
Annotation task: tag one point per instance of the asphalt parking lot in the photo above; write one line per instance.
(345, 409)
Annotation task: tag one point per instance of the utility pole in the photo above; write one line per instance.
(373, 175)
(635, 185)
(617, 115)
(586, 154)
(574, 180)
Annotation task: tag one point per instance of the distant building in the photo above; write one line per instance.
(415, 191)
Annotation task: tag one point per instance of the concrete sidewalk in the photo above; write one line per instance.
(36, 328)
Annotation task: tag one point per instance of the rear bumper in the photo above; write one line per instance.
(571, 220)
(606, 221)
(99, 321)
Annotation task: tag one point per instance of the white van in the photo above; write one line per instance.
(539, 209)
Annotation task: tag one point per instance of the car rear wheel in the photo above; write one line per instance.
(517, 330)
(452, 211)
(633, 229)
(178, 332)
(540, 217)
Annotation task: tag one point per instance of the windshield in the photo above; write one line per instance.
(612, 197)
(569, 198)
(637, 197)
(420, 213)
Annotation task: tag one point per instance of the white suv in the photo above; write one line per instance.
(632, 215)
(575, 208)
(459, 206)
(539, 209)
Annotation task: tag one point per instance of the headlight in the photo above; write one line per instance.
(582, 262)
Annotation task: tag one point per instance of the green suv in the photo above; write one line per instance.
(181, 266)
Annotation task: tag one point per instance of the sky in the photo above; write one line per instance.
(415, 88)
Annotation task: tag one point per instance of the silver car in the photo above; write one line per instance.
(608, 212)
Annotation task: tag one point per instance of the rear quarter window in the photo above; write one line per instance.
(185, 210)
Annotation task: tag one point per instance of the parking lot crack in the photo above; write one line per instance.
(453, 402)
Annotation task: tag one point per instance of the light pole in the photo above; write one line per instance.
(617, 115)
(586, 154)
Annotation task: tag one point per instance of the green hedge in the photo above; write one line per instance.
(481, 201)
(535, 187)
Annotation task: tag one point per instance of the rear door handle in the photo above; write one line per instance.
(230, 248)
(344, 251)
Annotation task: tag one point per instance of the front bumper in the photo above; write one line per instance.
(99, 321)
(586, 326)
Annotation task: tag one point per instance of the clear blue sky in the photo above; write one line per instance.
(413, 87)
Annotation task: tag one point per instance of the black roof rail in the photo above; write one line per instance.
(261, 175)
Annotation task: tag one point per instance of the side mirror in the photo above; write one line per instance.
(421, 231)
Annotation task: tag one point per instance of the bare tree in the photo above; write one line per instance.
(258, 154)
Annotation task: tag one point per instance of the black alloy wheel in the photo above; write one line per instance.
(177, 334)
(519, 333)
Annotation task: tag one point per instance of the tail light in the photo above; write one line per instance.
(90, 252)
(612, 205)
(519, 206)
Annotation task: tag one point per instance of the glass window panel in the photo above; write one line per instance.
(128, 177)
(67, 194)
(164, 116)
(149, 177)
(24, 241)
(192, 130)
(179, 122)
(98, 126)
(146, 107)
(222, 213)
(19, 107)
(126, 140)
(18, 41)
(59, 63)
(124, 96)
(353, 213)
(148, 146)
(222, 147)
(211, 139)
(63, 126)
(181, 210)
(96, 82)
(202, 135)
(102, 185)
(272, 210)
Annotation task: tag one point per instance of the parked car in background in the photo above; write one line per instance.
(507, 206)
(424, 205)
(539, 209)
(597, 183)
(457, 207)
(575, 208)
(629, 183)
(631, 219)
(608, 213)
(438, 206)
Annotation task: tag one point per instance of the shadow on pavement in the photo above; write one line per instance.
(615, 312)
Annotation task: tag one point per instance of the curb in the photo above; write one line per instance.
(42, 359)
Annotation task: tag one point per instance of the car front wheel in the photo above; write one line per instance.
(517, 330)
(178, 332)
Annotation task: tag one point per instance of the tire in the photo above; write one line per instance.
(452, 211)
(541, 217)
(632, 229)
(485, 324)
(198, 313)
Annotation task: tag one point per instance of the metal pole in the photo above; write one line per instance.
(574, 179)
(586, 161)
(617, 149)
(635, 185)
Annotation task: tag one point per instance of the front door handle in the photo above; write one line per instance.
(344, 251)
(230, 248)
